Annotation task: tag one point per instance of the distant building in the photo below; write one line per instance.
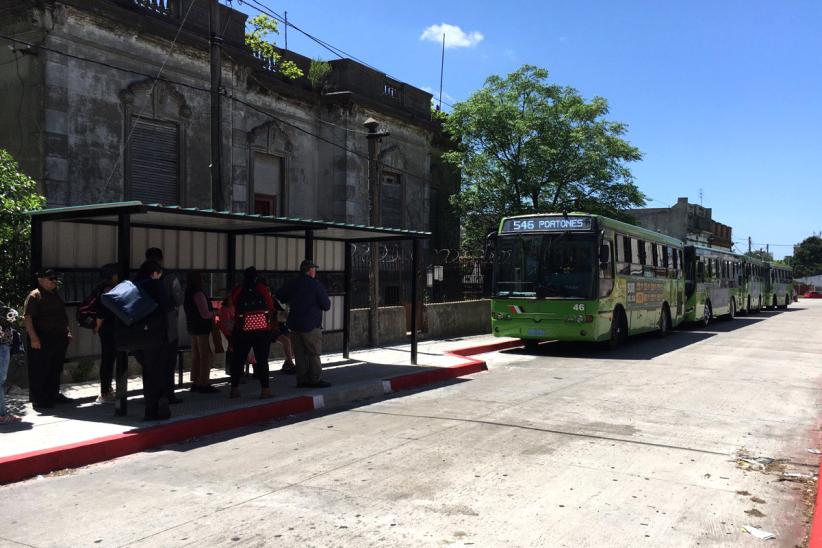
(691, 223)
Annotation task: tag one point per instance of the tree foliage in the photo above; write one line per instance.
(318, 72)
(528, 146)
(256, 38)
(807, 258)
(18, 194)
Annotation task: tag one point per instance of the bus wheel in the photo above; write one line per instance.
(619, 328)
(531, 345)
(731, 310)
(706, 314)
(664, 321)
(773, 304)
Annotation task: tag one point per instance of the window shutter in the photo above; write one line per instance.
(154, 162)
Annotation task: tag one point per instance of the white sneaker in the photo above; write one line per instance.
(109, 397)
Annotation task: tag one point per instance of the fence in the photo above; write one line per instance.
(447, 275)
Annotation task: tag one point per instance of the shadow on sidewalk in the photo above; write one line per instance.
(344, 375)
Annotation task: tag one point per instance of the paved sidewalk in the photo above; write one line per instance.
(362, 376)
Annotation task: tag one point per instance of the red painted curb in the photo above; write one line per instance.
(18, 467)
(470, 366)
(815, 539)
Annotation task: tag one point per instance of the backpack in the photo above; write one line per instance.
(87, 311)
(129, 302)
(252, 311)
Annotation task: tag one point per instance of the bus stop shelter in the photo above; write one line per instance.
(78, 240)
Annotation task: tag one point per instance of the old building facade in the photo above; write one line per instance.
(691, 223)
(87, 116)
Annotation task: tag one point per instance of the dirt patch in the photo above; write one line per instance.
(753, 512)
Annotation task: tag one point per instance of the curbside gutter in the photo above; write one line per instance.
(25, 465)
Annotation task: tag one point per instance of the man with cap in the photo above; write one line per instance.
(48, 339)
(307, 300)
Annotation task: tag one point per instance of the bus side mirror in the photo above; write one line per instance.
(490, 244)
(604, 253)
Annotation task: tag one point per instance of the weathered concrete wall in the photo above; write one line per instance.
(78, 151)
(22, 91)
(458, 319)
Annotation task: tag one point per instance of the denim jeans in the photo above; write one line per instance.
(5, 355)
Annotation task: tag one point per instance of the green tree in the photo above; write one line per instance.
(807, 258)
(18, 194)
(256, 38)
(528, 146)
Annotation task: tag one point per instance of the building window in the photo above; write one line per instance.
(391, 200)
(153, 162)
(269, 188)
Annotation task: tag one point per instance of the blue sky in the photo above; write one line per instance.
(719, 96)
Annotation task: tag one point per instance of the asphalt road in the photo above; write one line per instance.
(572, 446)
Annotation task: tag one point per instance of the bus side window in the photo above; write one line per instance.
(700, 270)
(606, 274)
(654, 255)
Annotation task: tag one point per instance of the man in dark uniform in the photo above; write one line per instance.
(175, 293)
(307, 299)
(48, 338)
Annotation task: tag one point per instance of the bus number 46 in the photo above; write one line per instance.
(578, 307)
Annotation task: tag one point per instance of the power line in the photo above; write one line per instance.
(231, 97)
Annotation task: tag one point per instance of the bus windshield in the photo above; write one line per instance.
(545, 266)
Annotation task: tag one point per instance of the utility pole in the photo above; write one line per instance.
(442, 69)
(374, 220)
(749, 244)
(216, 112)
(286, 29)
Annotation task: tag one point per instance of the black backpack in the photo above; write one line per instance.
(87, 311)
(250, 300)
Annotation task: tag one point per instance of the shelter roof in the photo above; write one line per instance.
(209, 220)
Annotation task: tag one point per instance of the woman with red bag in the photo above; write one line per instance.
(254, 309)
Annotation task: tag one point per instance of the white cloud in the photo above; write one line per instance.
(455, 37)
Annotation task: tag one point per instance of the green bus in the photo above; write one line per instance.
(779, 288)
(582, 277)
(714, 283)
(754, 282)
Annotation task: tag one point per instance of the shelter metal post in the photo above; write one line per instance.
(309, 245)
(347, 302)
(36, 246)
(231, 260)
(123, 260)
(415, 254)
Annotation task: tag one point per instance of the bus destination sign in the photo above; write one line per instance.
(547, 224)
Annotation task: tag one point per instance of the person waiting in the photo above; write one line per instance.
(48, 339)
(104, 328)
(253, 311)
(200, 323)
